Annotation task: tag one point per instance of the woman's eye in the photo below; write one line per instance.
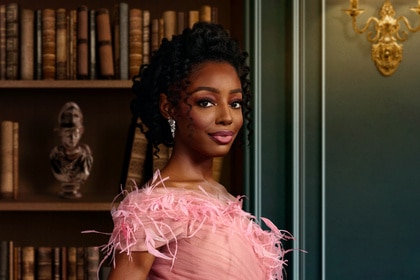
(236, 104)
(205, 103)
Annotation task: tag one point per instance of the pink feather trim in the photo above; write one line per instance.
(153, 216)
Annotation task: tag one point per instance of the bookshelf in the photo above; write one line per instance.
(38, 217)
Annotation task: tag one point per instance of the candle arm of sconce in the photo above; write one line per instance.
(363, 30)
(408, 25)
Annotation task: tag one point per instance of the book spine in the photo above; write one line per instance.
(82, 42)
(135, 33)
(28, 263)
(11, 259)
(146, 37)
(92, 260)
(193, 17)
(12, 41)
(38, 45)
(169, 24)
(124, 38)
(6, 187)
(103, 26)
(57, 263)
(116, 40)
(2, 41)
(15, 156)
(214, 15)
(62, 44)
(17, 263)
(136, 166)
(64, 262)
(4, 260)
(71, 263)
(161, 30)
(205, 13)
(48, 44)
(181, 21)
(155, 34)
(73, 45)
(80, 263)
(92, 45)
(44, 263)
(27, 45)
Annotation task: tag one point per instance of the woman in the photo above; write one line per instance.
(183, 224)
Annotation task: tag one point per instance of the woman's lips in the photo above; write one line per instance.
(222, 137)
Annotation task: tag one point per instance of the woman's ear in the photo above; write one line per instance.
(165, 106)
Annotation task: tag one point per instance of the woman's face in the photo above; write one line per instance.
(209, 115)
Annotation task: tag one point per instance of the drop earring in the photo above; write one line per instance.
(171, 123)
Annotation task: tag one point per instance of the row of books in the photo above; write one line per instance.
(83, 43)
(9, 159)
(46, 263)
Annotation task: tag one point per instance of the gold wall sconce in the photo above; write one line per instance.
(386, 51)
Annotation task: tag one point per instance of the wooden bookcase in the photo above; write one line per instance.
(39, 217)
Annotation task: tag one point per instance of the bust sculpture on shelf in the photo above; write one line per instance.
(71, 161)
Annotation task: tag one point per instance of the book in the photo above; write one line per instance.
(104, 41)
(71, 263)
(72, 49)
(155, 34)
(205, 13)
(12, 41)
(38, 45)
(57, 264)
(193, 17)
(115, 39)
(48, 44)
(92, 45)
(161, 30)
(17, 262)
(2, 41)
(82, 42)
(27, 45)
(136, 41)
(61, 44)
(10, 260)
(92, 262)
(6, 183)
(214, 15)
(44, 263)
(4, 260)
(124, 40)
(137, 158)
(28, 263)
(146, 37)
(169, 24)
(15, 157)
(80, 263)
(181, 21)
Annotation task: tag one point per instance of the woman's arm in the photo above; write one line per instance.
(135, 268)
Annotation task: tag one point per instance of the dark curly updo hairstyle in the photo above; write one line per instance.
(170, 67)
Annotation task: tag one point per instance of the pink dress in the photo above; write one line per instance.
(195, 235)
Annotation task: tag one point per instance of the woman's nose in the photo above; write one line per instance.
(224, 115)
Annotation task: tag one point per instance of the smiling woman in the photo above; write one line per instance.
(183, 224)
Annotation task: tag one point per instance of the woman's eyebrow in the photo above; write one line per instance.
(215, 90)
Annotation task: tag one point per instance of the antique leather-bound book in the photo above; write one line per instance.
(103, 27)
(48, 44)
(136, 41)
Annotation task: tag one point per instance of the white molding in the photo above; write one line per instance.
(323, 146)
(256, 54)
(296, 134)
